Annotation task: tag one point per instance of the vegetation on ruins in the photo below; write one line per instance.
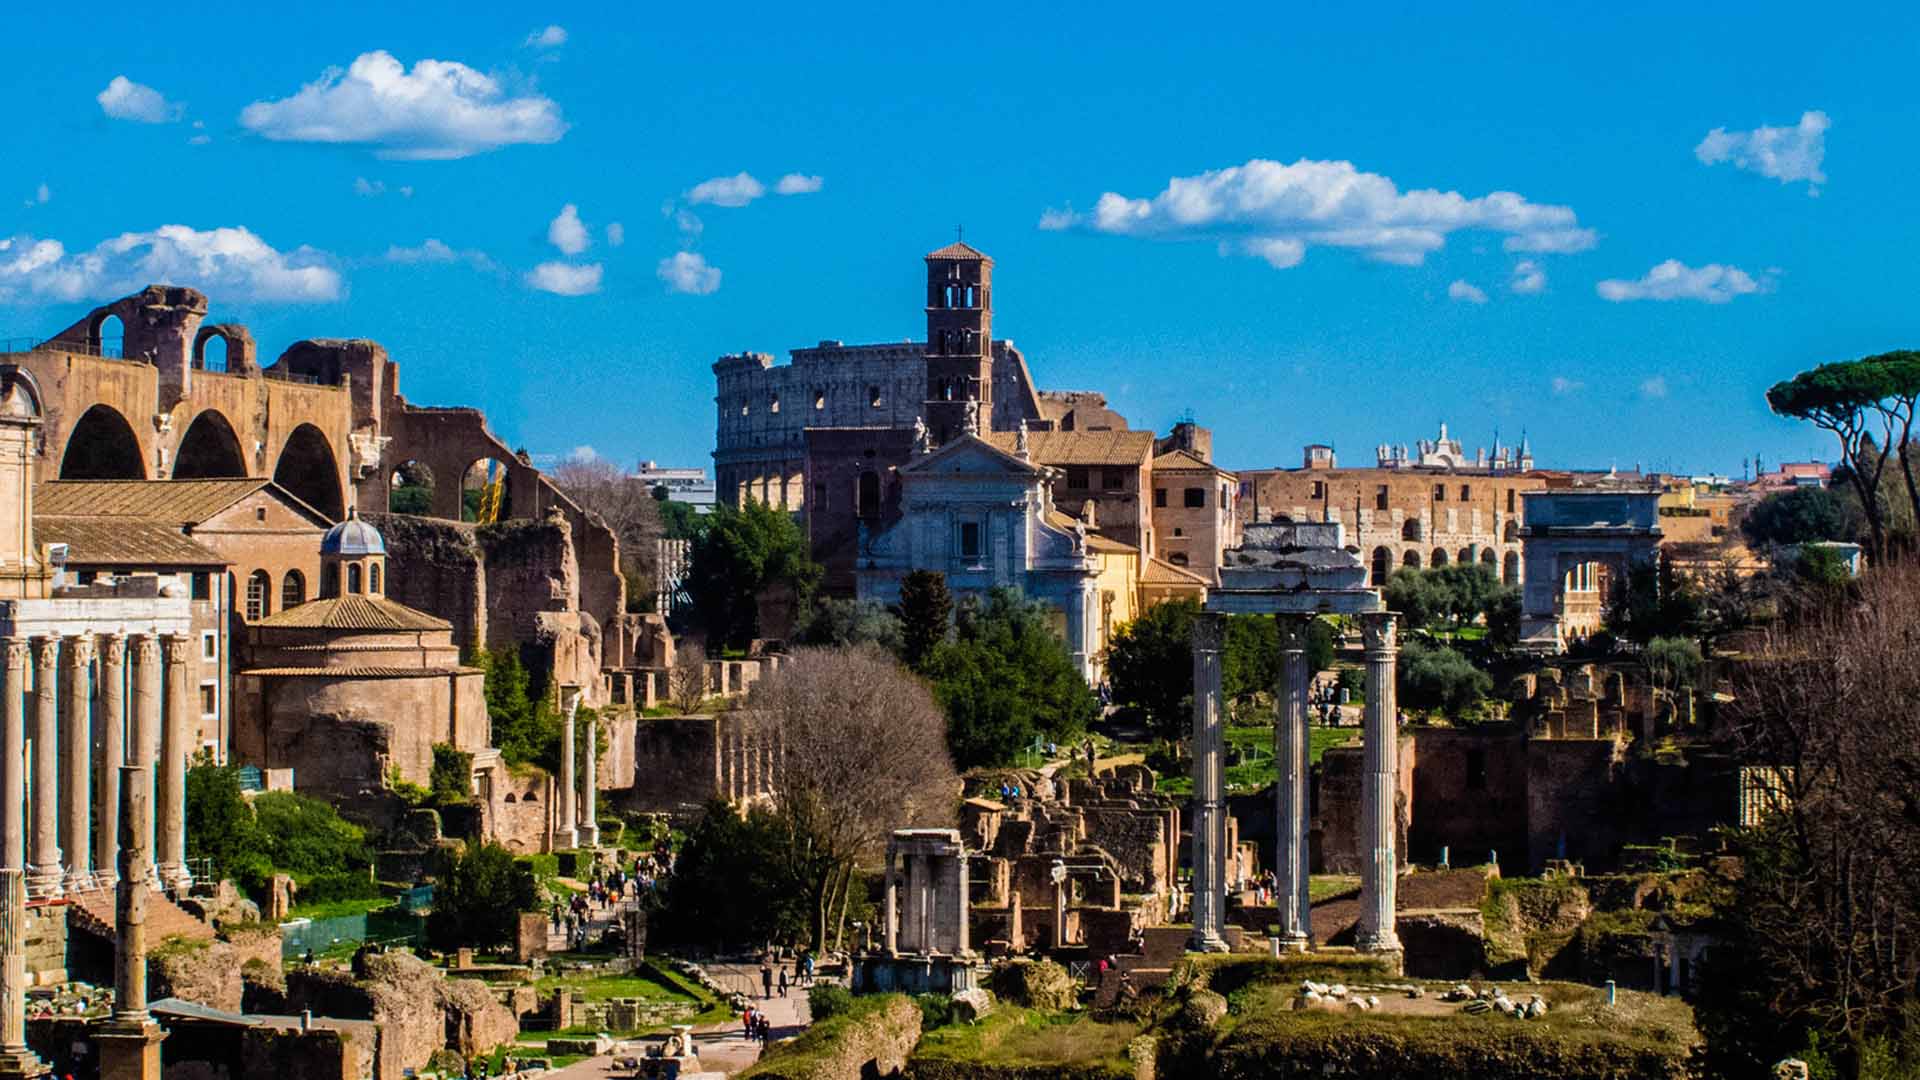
(277, 832)
(1005, 681)
(412, 490)
(1818, 940)
(1449, 597)
(478, 896)
(1150, 661)
(1439, 679)
(740, 555)
(687, 678)
(525, 727)
(864, 751)
(926, 611)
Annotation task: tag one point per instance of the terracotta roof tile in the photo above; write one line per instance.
(959, 249)
(1161, 572)
(107, 542)
(182, 502)
(1095, 541)
(355, 611)
(359, 672)
(1185, 459)
(1080, 447)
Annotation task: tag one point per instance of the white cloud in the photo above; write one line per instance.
(688, 272)
(1562, 386)
(368, 188)
(567, 232)
(41, 196)
(1674, 280)
(200, 140)
(797, 184)
(437, 251)
(124, 99)
(737, 190)
(687, 222)
(565, 279)
(550, 38)
(1528, 277)
(1462, 290)
(582, 452)
(1655, 387)
(616, 234)
(441, 109)
(1787, 154)
(229, 262)
(1276, 212)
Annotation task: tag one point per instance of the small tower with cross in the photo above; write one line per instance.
(959, 342)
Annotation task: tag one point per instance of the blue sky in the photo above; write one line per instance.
(1313, 294)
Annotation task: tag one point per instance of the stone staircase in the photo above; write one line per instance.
(92, 912)
(1161, 948)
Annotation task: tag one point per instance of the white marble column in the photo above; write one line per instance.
(44, 872)
(176, 745)
(892, 913)
(76, 785)
(13, 759)
(109, 754)
(1379, 788)
(916, 902)
(589, 786)
(143, 734)
(1209, 788)
(565, 835)
(15, 1059)
(1290, 754)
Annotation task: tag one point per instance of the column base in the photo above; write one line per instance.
(1294, 942)
(175, 878)
(565, 840)
(1385, 941)
(1207, 942)
(21, 1064)
(44, 881)
(78, 881)
(129, 1050)
(589, 836)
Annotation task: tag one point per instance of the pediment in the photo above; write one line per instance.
(971, 456)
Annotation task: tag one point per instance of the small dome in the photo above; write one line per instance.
(353, 537)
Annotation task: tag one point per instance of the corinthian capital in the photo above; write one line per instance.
(79, 651)
(1209, 630)
(46, 651)
(146, 650)
(1379, 631)
(176, 648)
(16, 654)
(1293, 631)
(113, 650)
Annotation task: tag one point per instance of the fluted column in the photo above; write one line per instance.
(1209, 788)
(13, 760)
(15, 1059)
(176, 741)
(76, 786)
(590, 780)
(565, 835)
(1379, 788)
(109, 753)
(44, 872)
(144, 735)
(1291, 895)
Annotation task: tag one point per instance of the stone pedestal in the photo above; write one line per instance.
(1379, 788)
(1209, 788)
(1290, 752)
(129, 1051)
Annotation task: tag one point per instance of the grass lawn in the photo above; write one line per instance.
(1016, 1036)
(1327, 886)
(1260, 772)
(333, 909)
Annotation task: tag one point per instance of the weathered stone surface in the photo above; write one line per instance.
(1036, 984)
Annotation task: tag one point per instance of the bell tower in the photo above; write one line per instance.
(959, 342)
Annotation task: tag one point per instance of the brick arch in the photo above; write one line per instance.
(241, 358)
(209, 447)
(309, 468)
(102, 445)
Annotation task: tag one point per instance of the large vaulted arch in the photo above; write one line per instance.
(209, 449)
(308, 469)
(102, 446)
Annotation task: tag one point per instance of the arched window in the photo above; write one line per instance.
(1411, 560)
(330, 580)
(259, 590)
(1439, 557)
(353, 578)
(1465, 556)
(1178, 558)
(1487, 558)
(1510, 570)
(373, 579)
(1382, 566)
(1411, 530)
(1512, 531)
(293, 590)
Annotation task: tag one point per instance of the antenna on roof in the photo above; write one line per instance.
(960, 234)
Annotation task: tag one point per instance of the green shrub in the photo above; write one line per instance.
(827, 1000)
(936, 1010)
(338, 885)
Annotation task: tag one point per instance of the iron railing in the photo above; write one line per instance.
(110, 348)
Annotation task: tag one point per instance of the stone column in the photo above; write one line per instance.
(143, 735)
(15, 1059)
(589, 788)
(1290, 754)
(13, 759)
(565, 835)
(916, 902)
(176, 743)
(44, 872)
(1379, 788)
(76, 786)
(892, 915)
(130, 1041)
(1209, 788)
(109, 753)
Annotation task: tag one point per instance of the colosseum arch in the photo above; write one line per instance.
(1411, 559)
(1439, 557)
(1382, 566)
(102, 446)
(309, 471)
(209, 449)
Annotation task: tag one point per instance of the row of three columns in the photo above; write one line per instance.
(1292, 753)
(73, 763)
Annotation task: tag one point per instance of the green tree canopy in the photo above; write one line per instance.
(1797, 516)
(834, 620)
(926, 611)
(1150, 661)
(1445, 596)
(1440, 679)
(525, 727)
(737, 557)
(478, 897)
(277, 832)
(1868, 405)
(1656, 600)
(1004, 679)
(734, 882)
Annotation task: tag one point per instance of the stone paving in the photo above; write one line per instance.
(723, 1047)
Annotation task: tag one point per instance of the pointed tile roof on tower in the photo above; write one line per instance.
(959, 249)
